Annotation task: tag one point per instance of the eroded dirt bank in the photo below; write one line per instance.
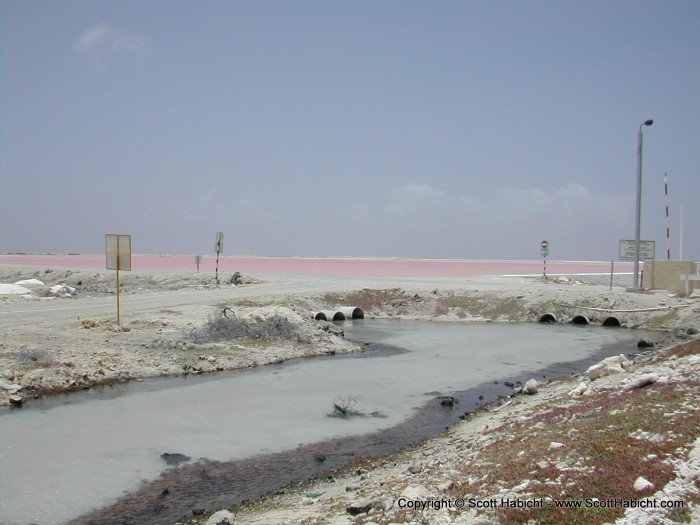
(54, 342)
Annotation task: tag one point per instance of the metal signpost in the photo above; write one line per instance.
(545, 253)
(118, 252)
(219, 248)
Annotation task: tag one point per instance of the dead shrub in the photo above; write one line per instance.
(225, 328)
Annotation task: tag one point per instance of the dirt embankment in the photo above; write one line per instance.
(66, 336)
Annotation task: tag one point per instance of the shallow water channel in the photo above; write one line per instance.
(64, 456)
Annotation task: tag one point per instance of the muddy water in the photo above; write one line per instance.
(97, 454)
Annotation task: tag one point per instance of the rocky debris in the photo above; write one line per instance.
(11, 388)
(642, 381)
(30, 282)
(447, 401)
(174, 458)
(363, 506)
(642, 484)
(415, 492)
(16, 400)
(580, 390)
(531, 387)
(612, 365)
(14, 289)
(645, 342)
(62, 290)
(222, 517)
(46, 379)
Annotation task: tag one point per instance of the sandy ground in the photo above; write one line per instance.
(52, 342)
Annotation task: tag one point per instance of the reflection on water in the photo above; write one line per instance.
(60, 459)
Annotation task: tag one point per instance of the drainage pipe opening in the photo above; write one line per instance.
(351, 312)
(329, 315)
(611, 321)
(548, 318)
(580, 319)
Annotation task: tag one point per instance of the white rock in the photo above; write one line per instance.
(13, 289)
(61, 290)
(642, 484)
(445, 487)
(29, 282)
(522, 486)
(222, 517)
(554, 445)
(617, 364)
(415, 492)
(579, 390)
(10, 388)
(383, 503)
(531, 387)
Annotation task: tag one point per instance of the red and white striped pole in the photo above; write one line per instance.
(668, 228)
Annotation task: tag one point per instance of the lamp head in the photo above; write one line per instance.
(648, 122)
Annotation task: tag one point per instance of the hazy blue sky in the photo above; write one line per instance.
(436, 129)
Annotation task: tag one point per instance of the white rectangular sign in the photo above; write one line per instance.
(647, 250)
(118, 250)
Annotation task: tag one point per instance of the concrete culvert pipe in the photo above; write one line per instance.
(548, 318)
(351, 312)
(580, 319)
(329, 315)
(612, 322)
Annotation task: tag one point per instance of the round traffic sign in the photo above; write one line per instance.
(545, 244)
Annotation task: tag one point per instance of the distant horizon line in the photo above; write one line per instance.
(250, 256)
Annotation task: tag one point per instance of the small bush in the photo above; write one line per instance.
(35, 357)
(232, 329)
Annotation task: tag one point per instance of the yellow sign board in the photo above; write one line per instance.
(118, 250)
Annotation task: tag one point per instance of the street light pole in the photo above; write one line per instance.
(638, 222)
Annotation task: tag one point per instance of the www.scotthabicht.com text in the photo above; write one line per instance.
(537, 503)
